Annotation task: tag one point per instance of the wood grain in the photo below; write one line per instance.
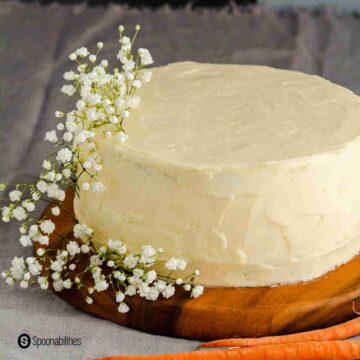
(226, 312)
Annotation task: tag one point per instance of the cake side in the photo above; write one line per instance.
(250, 223)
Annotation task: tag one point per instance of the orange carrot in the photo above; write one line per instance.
(337, 332)
(314, 350)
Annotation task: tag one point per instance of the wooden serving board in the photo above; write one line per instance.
(226, 312)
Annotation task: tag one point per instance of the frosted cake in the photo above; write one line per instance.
(250, 173)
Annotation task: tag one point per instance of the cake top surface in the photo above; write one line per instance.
(211, 114)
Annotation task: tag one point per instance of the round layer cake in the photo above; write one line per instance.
(252, 174)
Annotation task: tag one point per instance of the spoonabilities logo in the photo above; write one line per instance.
(24, 341)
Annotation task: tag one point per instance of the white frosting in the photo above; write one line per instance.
(250, 173)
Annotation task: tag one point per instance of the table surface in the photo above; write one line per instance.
(34, 44)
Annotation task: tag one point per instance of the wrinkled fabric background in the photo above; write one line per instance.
(34, 45)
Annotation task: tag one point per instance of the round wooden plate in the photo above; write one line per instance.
(226, 312)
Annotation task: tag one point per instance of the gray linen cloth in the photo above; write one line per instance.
(34, 45)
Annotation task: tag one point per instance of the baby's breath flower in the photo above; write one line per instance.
(28, 205)
(68, 136)
(55, 276)
(121, 137)
(35, 196)
(58, 285)
(27, 276)
(23, 229)
(136, 84)
(87, 165)
(152, 294)
(64, 155)
(120, 296)
(46, 164)
(175, 264)
(128, 65)
(68, 90)
(59, 114)
(15, 195)
(43, 240)
(123, 308)
(148, 251)
(98, 187)
(19, 213)
(67, 284)
(24, 284)
(71, 126)
(168, 291)
(131, 261)
(197, 291)
(47, 227)
(10, 281)
(41, 186)
(80, 104)
(151, 276)
(73, 248)
(85, 248)
(116, 246)
(114, 120)
(82, 52)
(145, 56)
(51, 136)
(18, 268)
(70, 76)
(81, 230)
(33, 230)
(129, 75)
(51, 176)
(103, 249)
(2, 187)
(56, 266)
(101, 285)
(73, 56)
(40, 251)
(6, 213)
(25, 240)
(130, 290)
(119, 276)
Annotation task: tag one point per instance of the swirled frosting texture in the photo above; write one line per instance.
(250, 173)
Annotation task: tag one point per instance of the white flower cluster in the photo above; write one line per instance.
(23, 271)
(127, 273)
(130, 273)
(105, 101)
